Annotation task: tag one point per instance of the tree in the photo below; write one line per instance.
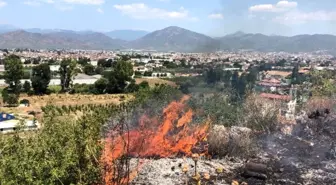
(109, 63)
(89, 69)
(132, 87)
(251, 77)
(26, 86)
(13, 74)
(101, 62)
(40, 79)
(83, 61)
(281, 62)
(67, 72)
(27, 61)
(237, 65)
(295, 74)
(144, 84)
(235, 80)
(117, 78)
(51, 61)
(214, 75)
(101, 85)
(148, 73)
(9, 97)
(241, 88)
(99, 70)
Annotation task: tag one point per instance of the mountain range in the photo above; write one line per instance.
(168, 39)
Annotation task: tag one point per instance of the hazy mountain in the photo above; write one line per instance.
(168, 39)
(126, 34)
(175, 39)
(260, 42)
(4, 28)
(93, 40)
(24, 39)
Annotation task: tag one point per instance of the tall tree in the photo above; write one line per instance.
(26, 86)
(118, 78)
(89, 69)
(13, 74)
(83, 61)
(295, 74)
(40, 78)
(235, 80)
(67, 72)
(101, 62)
(101, 85)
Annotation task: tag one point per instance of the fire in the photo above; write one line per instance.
(171, 137)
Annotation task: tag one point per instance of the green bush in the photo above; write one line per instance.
(25, 102)
(54, 88)
(26, 74)
(82, 89)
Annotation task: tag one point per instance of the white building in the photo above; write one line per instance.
(162, 75)
(8, 123)
(94, 63)
(54, 67)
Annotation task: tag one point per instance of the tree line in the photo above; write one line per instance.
(116, 80)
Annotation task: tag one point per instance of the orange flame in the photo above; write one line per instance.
(174, 136)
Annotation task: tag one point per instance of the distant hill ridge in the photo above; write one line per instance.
(172, 38)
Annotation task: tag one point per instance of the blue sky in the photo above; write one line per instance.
(212, 17)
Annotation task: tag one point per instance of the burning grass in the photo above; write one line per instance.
(160, 150)
(173, 136)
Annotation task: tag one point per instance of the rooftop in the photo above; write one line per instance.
(275, 96)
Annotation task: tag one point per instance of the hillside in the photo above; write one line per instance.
(175, 39)
(127, 35)
(168, 39)
(260, 42)
(66, 40)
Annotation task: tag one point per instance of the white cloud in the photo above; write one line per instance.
(37, 2)
(64, 8)
(32, 3)
(281, 6)
(297, 17)
(216, 16)
(99, 10)
(85, 2)
(142, 11)
(2, 3)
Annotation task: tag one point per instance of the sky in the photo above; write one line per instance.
(211, 17)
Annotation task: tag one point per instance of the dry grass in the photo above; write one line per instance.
(319, 103)
(153, 81)
(279, 73)
(233, 142)
(36, 102)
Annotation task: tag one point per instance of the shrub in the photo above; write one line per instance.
(82, 89)
(148, 73)
(259, 114)
(144, 84)
(137, 73)
(232, 142)
(25, 102)
(26, 86)
(122, 98)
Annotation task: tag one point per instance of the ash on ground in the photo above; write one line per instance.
(307, 157)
